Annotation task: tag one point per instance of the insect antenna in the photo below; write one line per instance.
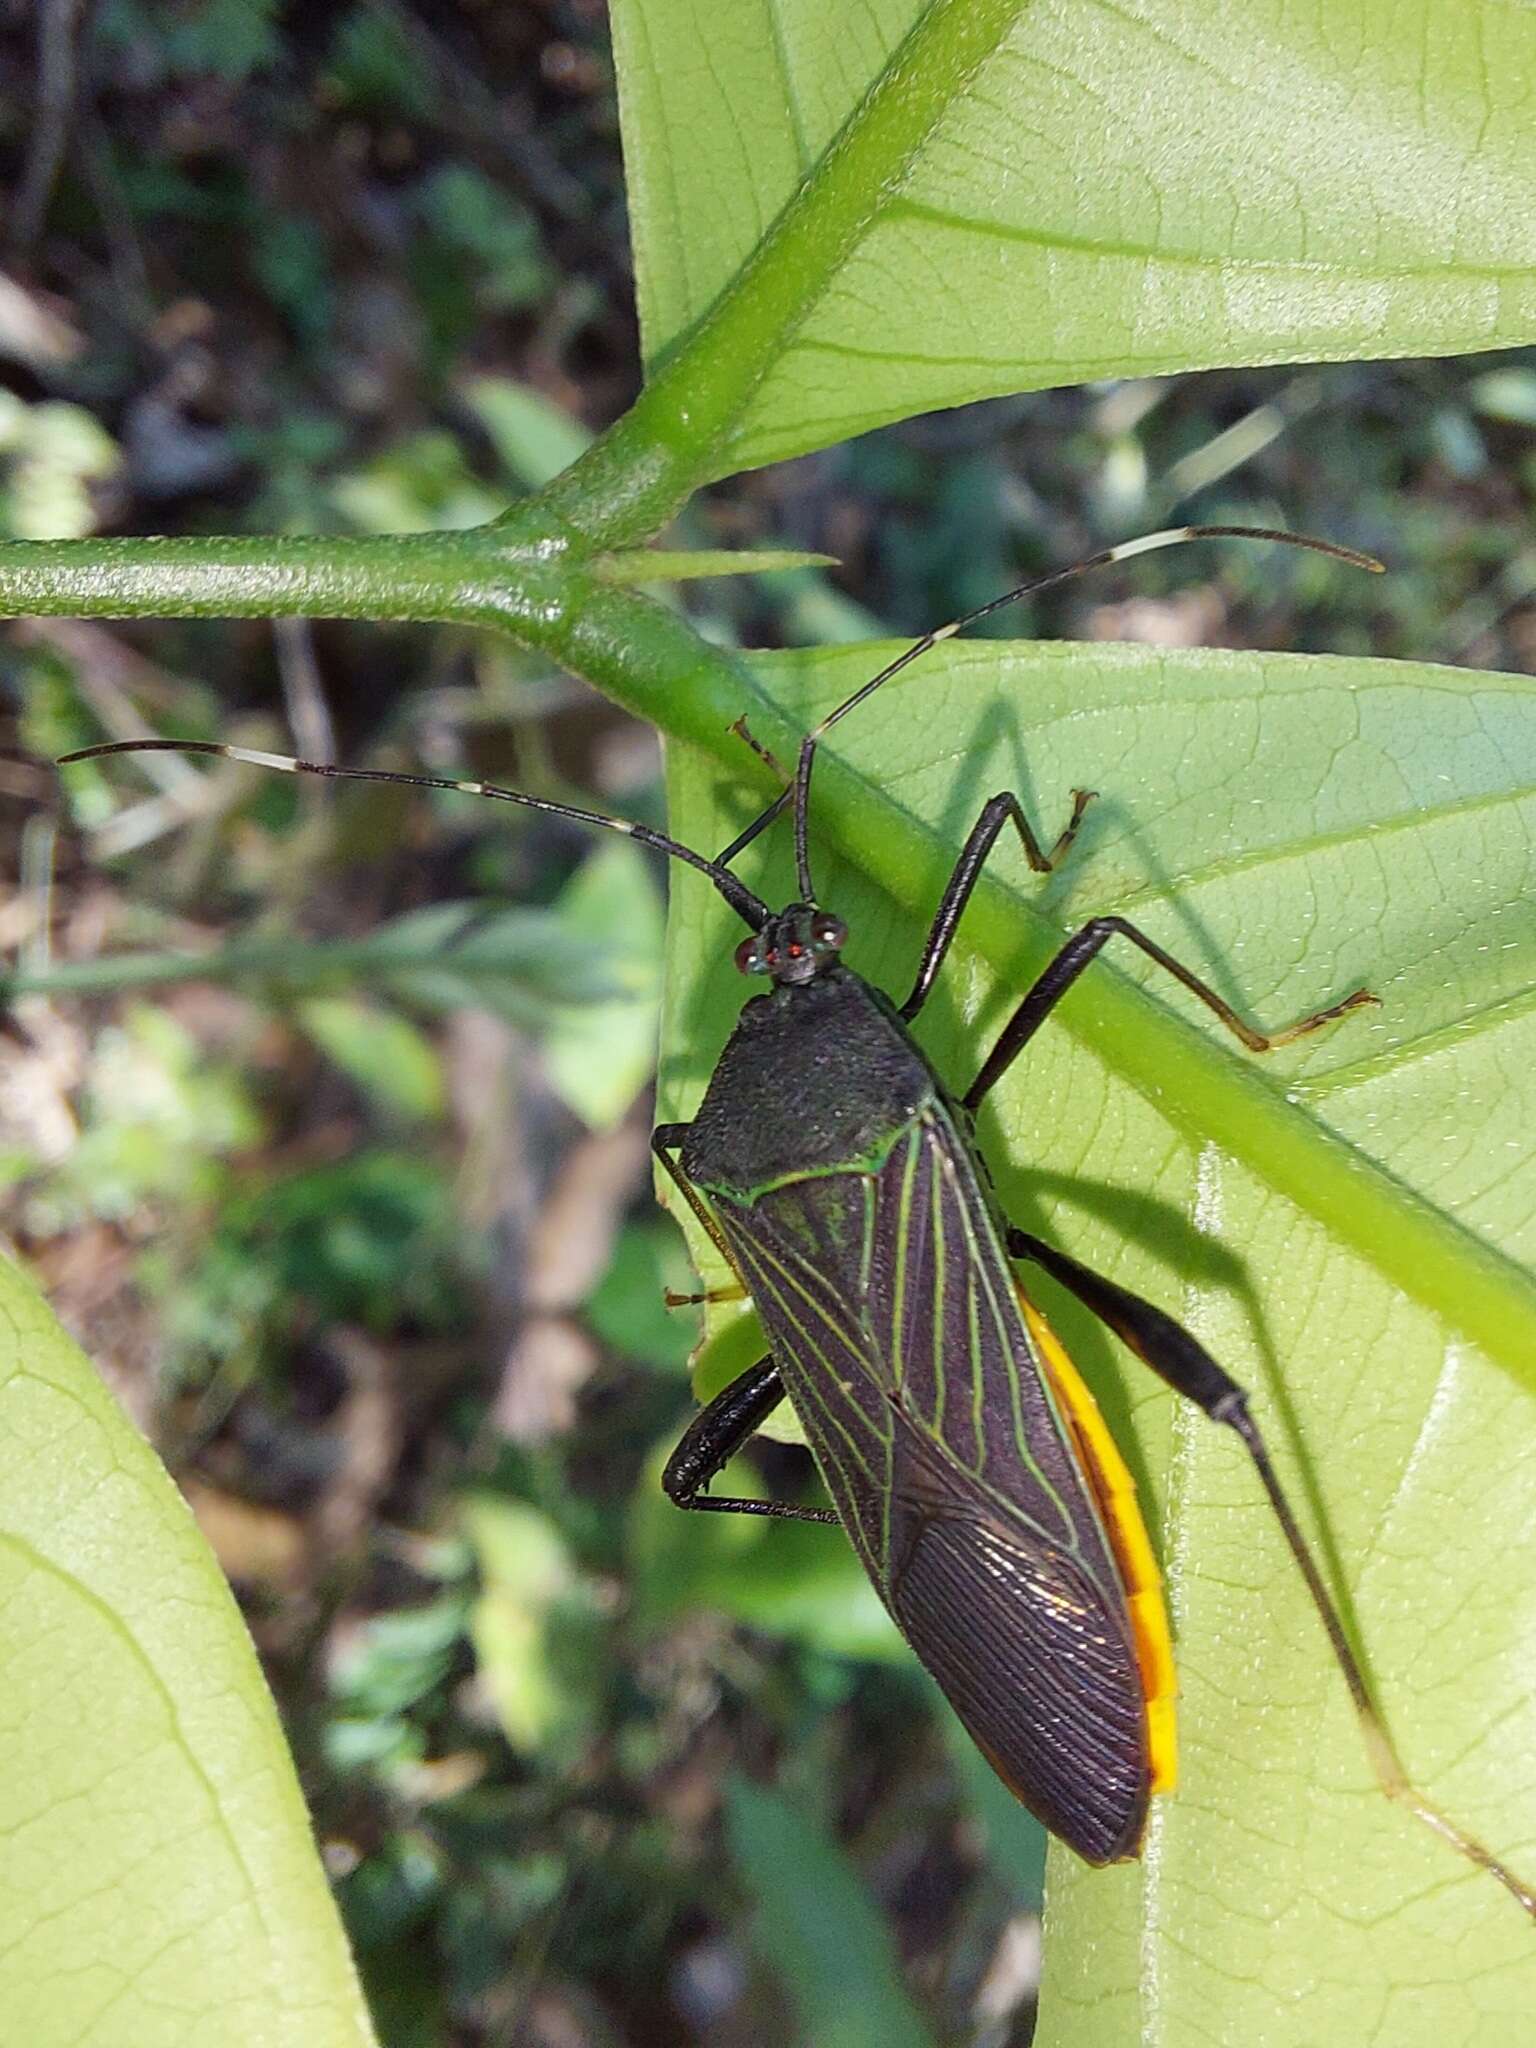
(798, 789)
(749, 908)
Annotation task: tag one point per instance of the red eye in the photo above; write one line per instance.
(794, 949)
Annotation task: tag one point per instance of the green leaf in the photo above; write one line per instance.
(513, 960)
(229, 38)
(790, 1579)
(488, 229)
(534, 439)
(161, 1884)
(818, 1927)
(50, 455)
(423, 481)
(1346, 1223)
(518, 962)
(381, 1051)
(534, 1626)
(376, 63)
(972, 197)
(599, 1055)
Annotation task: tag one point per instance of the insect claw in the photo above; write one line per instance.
(743, 731)
(730, 1291)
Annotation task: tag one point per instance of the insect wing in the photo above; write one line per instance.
(891, 1312)
(1032, 1658)
(801, 1250)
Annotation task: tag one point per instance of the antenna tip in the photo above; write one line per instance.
(94, 753)
(102, 747)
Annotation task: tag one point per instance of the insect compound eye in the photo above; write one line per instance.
(831, 934)
(748, 958)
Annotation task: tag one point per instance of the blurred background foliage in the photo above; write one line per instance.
(355, 1208)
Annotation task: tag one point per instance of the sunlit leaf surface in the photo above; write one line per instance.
(1081, 191)
(161, 1886)
(1292, 827)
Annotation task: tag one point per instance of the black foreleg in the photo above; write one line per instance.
(713, 1438)
(998, 811)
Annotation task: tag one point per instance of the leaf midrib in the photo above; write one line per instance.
(681, 429)
(1190, 1077)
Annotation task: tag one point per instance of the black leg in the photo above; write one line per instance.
(743, 731)
(1169, 1349)
(716, 1434)
(766, 755)
(996, 813)
(1083, 947)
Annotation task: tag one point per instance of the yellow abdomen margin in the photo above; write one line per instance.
(1115, 1491)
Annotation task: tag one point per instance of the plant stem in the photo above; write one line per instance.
(282, 962)
(478, 576)
(678, 433)
(628, 484)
